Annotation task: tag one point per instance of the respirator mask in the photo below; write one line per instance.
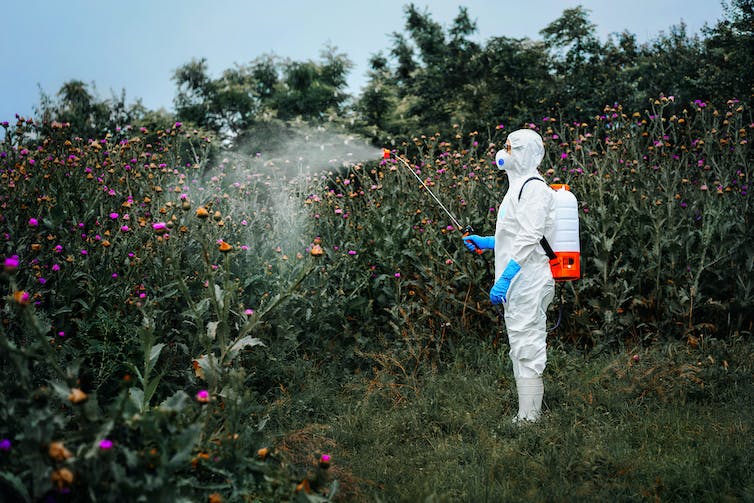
(504, 160)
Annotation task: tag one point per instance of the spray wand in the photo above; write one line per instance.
(466, 230)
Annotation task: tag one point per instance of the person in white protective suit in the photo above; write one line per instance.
(523, 281)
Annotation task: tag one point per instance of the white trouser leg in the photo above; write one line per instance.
(526, 323)
(530, 393)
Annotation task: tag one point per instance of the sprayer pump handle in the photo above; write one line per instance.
(470, 230)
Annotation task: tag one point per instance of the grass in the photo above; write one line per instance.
(673, 423)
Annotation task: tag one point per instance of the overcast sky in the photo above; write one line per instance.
(137, 45)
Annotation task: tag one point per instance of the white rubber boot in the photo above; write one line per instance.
(530, 393)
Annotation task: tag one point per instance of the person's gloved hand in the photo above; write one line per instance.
(474, 242)
(499, 292)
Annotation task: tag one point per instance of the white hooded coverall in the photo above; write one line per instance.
(521, 223)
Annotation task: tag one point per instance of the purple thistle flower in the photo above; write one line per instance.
(11, 263)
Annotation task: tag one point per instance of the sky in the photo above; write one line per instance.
(135, 46)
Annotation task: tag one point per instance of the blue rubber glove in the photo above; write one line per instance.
(499, 291)
(474, 242)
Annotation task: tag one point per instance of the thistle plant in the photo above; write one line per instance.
(158, 301)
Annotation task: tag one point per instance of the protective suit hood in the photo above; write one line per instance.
(527, 152)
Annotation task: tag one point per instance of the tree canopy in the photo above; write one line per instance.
(434, 78)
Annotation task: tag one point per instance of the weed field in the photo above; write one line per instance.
(183, 324)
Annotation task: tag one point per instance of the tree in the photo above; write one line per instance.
(514, 88)
(447, 66)
(312, 90)
(577, 63)
(192, 103)
(433, 69)
(670, 65)
(227, 105)
(729, 52)
(379, 96)
(88, 115)
(248, 96)
(620, 61)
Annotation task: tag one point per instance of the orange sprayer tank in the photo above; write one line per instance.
(566, 265)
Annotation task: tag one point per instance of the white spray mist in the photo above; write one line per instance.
(296, 161)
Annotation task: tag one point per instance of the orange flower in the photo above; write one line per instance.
(224, 247)
(317, 251)
(58, 452)
(200, 456)
(304, 486)
(198, 371)
(215, 498)
(201, 212)
(62, 478)
(263, 452)
(77, 396)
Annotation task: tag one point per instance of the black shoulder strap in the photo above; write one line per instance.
(524, 184)
(547, 248)
(545, 244)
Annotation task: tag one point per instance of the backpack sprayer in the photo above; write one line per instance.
(565, 252)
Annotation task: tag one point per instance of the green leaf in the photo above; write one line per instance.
(62, 390)
(16, 485)
(302, 497)
(103, 432)
(149, 391)
(137, 397)
(186, 441)
(244, 342)
(174, 403)
(154, 354)
(209, 366)
(212, 329)
(241, 343)
(219, 296)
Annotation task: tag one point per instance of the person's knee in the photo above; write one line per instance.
(529, 357)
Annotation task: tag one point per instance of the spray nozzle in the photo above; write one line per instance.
(386, 153)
